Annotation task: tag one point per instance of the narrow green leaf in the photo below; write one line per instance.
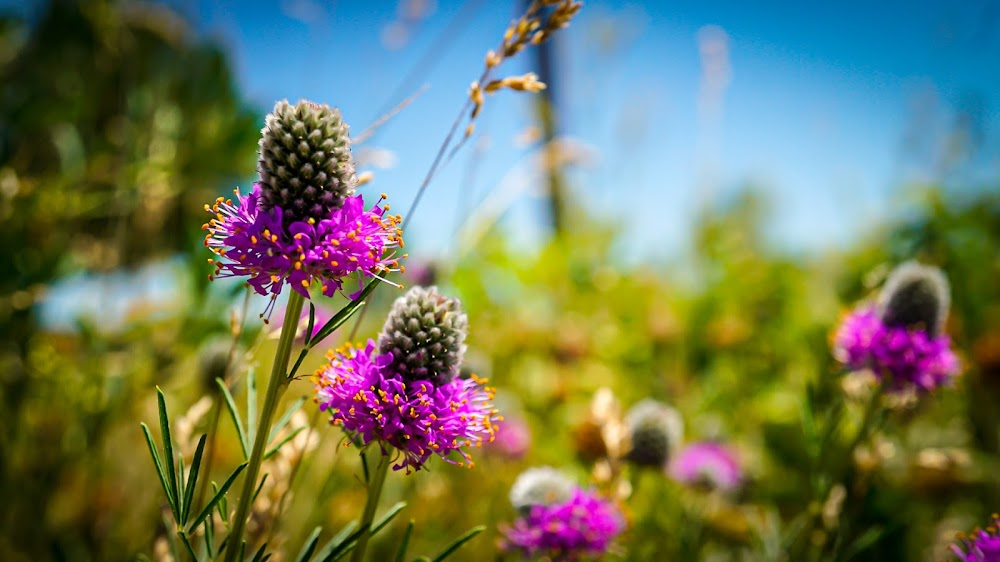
(421, 559)
(192, 480)
(312, 321)
(344, 314)
(405, 543)
(298, 363)
(259, 488)
(215, 499)
(864, 542)
(348, 545)
(259, 556)
(270, 453)
(348, 532)
(389, 515)
(209, 538)
(159, 465)
(187, 545)
(281, 423)
(311, 542)
(251, 408)
(458, 543)
(181, 487)
(168, 452)
(235, 415)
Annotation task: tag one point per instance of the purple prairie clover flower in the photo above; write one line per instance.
(582, 526)
(707, 464)
(899, 338)
(515, 439)
(251, 242)
(420, 418)
(982, 545)
(302, 222)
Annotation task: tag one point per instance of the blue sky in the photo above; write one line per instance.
(830, 108)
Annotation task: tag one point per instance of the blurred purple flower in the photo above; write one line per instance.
(369, 400)
(515, 439)
(982, 545)
(902, 357)
(581, 527)
(708, 464)
(253, 242)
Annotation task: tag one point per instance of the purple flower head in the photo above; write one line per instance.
(982, 545)
(254, 243)
(582, 526)
(515, 439)
(419, 418)
(707, 464)
(900, 337)
(901, 357)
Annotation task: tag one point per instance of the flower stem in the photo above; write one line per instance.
(275, 387)
(374, 492)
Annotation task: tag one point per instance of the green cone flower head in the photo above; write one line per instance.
(425, 332)
(305, 162)
(541, 485)
(915, 296)
(655, 429)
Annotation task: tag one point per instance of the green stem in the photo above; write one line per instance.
(275, 387)
(871, 409)
(374, 492)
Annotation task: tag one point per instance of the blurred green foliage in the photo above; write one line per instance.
(117, 127)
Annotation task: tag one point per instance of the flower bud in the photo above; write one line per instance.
(915, 296)
(540, 486)
(425, 332)
(305, 163)
(655, 430)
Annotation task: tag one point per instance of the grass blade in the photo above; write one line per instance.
(215, 499)
(310, 544)
(209, 538)
(343, 547)
(458, 543)
(344, 314)
(187, 545)
(270, 453)
(168, 453)
(235, 415)
(348, 532)
(405, 543)
(259, 556)
(312, 321)
(192, 480)
(376, 527)
(281, 423)
(158, 464)
(251, 408)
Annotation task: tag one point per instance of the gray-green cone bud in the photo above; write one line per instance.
(540, 486)
(305, 162)
(655, 429)
(915, 296)
(425, 332)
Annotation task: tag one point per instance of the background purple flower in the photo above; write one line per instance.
(902, 357)
(707, 463)
(515, 439)
(580, 527)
